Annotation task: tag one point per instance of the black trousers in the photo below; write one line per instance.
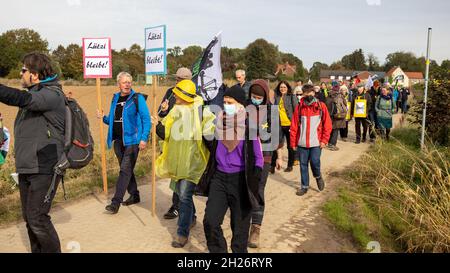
(258, 212)
(344, 131)
(358, 123)
(227, 191)
(334, 137)
(127, 157)
(291, 153)
(41, 232)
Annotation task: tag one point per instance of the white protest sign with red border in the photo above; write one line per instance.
(97, 61)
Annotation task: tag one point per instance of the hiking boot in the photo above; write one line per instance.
(134, 199)
(172, 213)
(272, 169)
(253, 241)
(288, 170)
(113, 208)
(363, 140)
(301, 191)
(333, 148)
(320, 183)
(357, 141)
(296, 163)
(179, 242)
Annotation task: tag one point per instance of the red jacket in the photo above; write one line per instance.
(313, 128)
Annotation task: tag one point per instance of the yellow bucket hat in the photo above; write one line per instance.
(185, 90)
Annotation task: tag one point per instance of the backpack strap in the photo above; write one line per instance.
(51, 189)
(136, 99)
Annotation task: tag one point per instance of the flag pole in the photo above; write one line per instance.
(154, 86)
(425, 98)
(102, 140)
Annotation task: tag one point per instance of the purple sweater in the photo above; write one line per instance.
(234, 162)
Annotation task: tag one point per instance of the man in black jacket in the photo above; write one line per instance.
(39, 141)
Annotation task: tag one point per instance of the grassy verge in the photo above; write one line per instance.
(397, 195)
(78, 183)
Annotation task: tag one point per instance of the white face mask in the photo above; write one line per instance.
(229, 109)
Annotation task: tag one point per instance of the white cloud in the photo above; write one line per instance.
(72, 3)
(373, 2)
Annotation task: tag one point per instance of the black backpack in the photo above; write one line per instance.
(78, 143)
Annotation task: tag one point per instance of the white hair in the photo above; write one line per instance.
(240, 71)
(124, 75)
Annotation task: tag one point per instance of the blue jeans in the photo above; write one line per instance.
(309, 156)
(185, 190)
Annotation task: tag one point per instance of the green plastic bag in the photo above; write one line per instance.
(2, 159)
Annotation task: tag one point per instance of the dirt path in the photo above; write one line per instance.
(291, 223)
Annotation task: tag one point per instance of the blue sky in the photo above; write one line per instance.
(313, 30)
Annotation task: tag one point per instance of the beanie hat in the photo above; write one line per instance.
(236, 92)
(257, 90)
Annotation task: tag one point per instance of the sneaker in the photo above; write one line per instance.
(301, 191)
(288, 170)
(112, 208)
(357, 141)
(363, 140)
(296, 162)
(320, 183)
(344, 139)
(179, 242)
(272, 169)
(134, 199)
(172, 213)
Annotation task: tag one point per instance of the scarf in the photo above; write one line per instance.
(231, 130)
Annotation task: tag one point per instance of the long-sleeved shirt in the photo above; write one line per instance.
(234, 161)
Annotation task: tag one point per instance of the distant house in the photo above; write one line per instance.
(364, 75)
(286, 69)
(336, 75)
(415, 78)
(405, 78)
(347, 75)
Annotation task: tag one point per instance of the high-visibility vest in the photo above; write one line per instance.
(360, 110)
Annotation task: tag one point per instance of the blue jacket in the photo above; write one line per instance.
(136, 126)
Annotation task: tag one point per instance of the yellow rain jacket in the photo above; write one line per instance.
(184, 154)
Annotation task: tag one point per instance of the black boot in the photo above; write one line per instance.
(133, 199)
(113, 208)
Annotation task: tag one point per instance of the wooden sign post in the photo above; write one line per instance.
(97, 64)
(155, 64)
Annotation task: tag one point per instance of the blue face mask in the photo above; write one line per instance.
(230, 109)
(256, 101)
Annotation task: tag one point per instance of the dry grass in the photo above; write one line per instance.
(412, 188)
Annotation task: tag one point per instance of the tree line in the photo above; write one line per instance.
(259, 59)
